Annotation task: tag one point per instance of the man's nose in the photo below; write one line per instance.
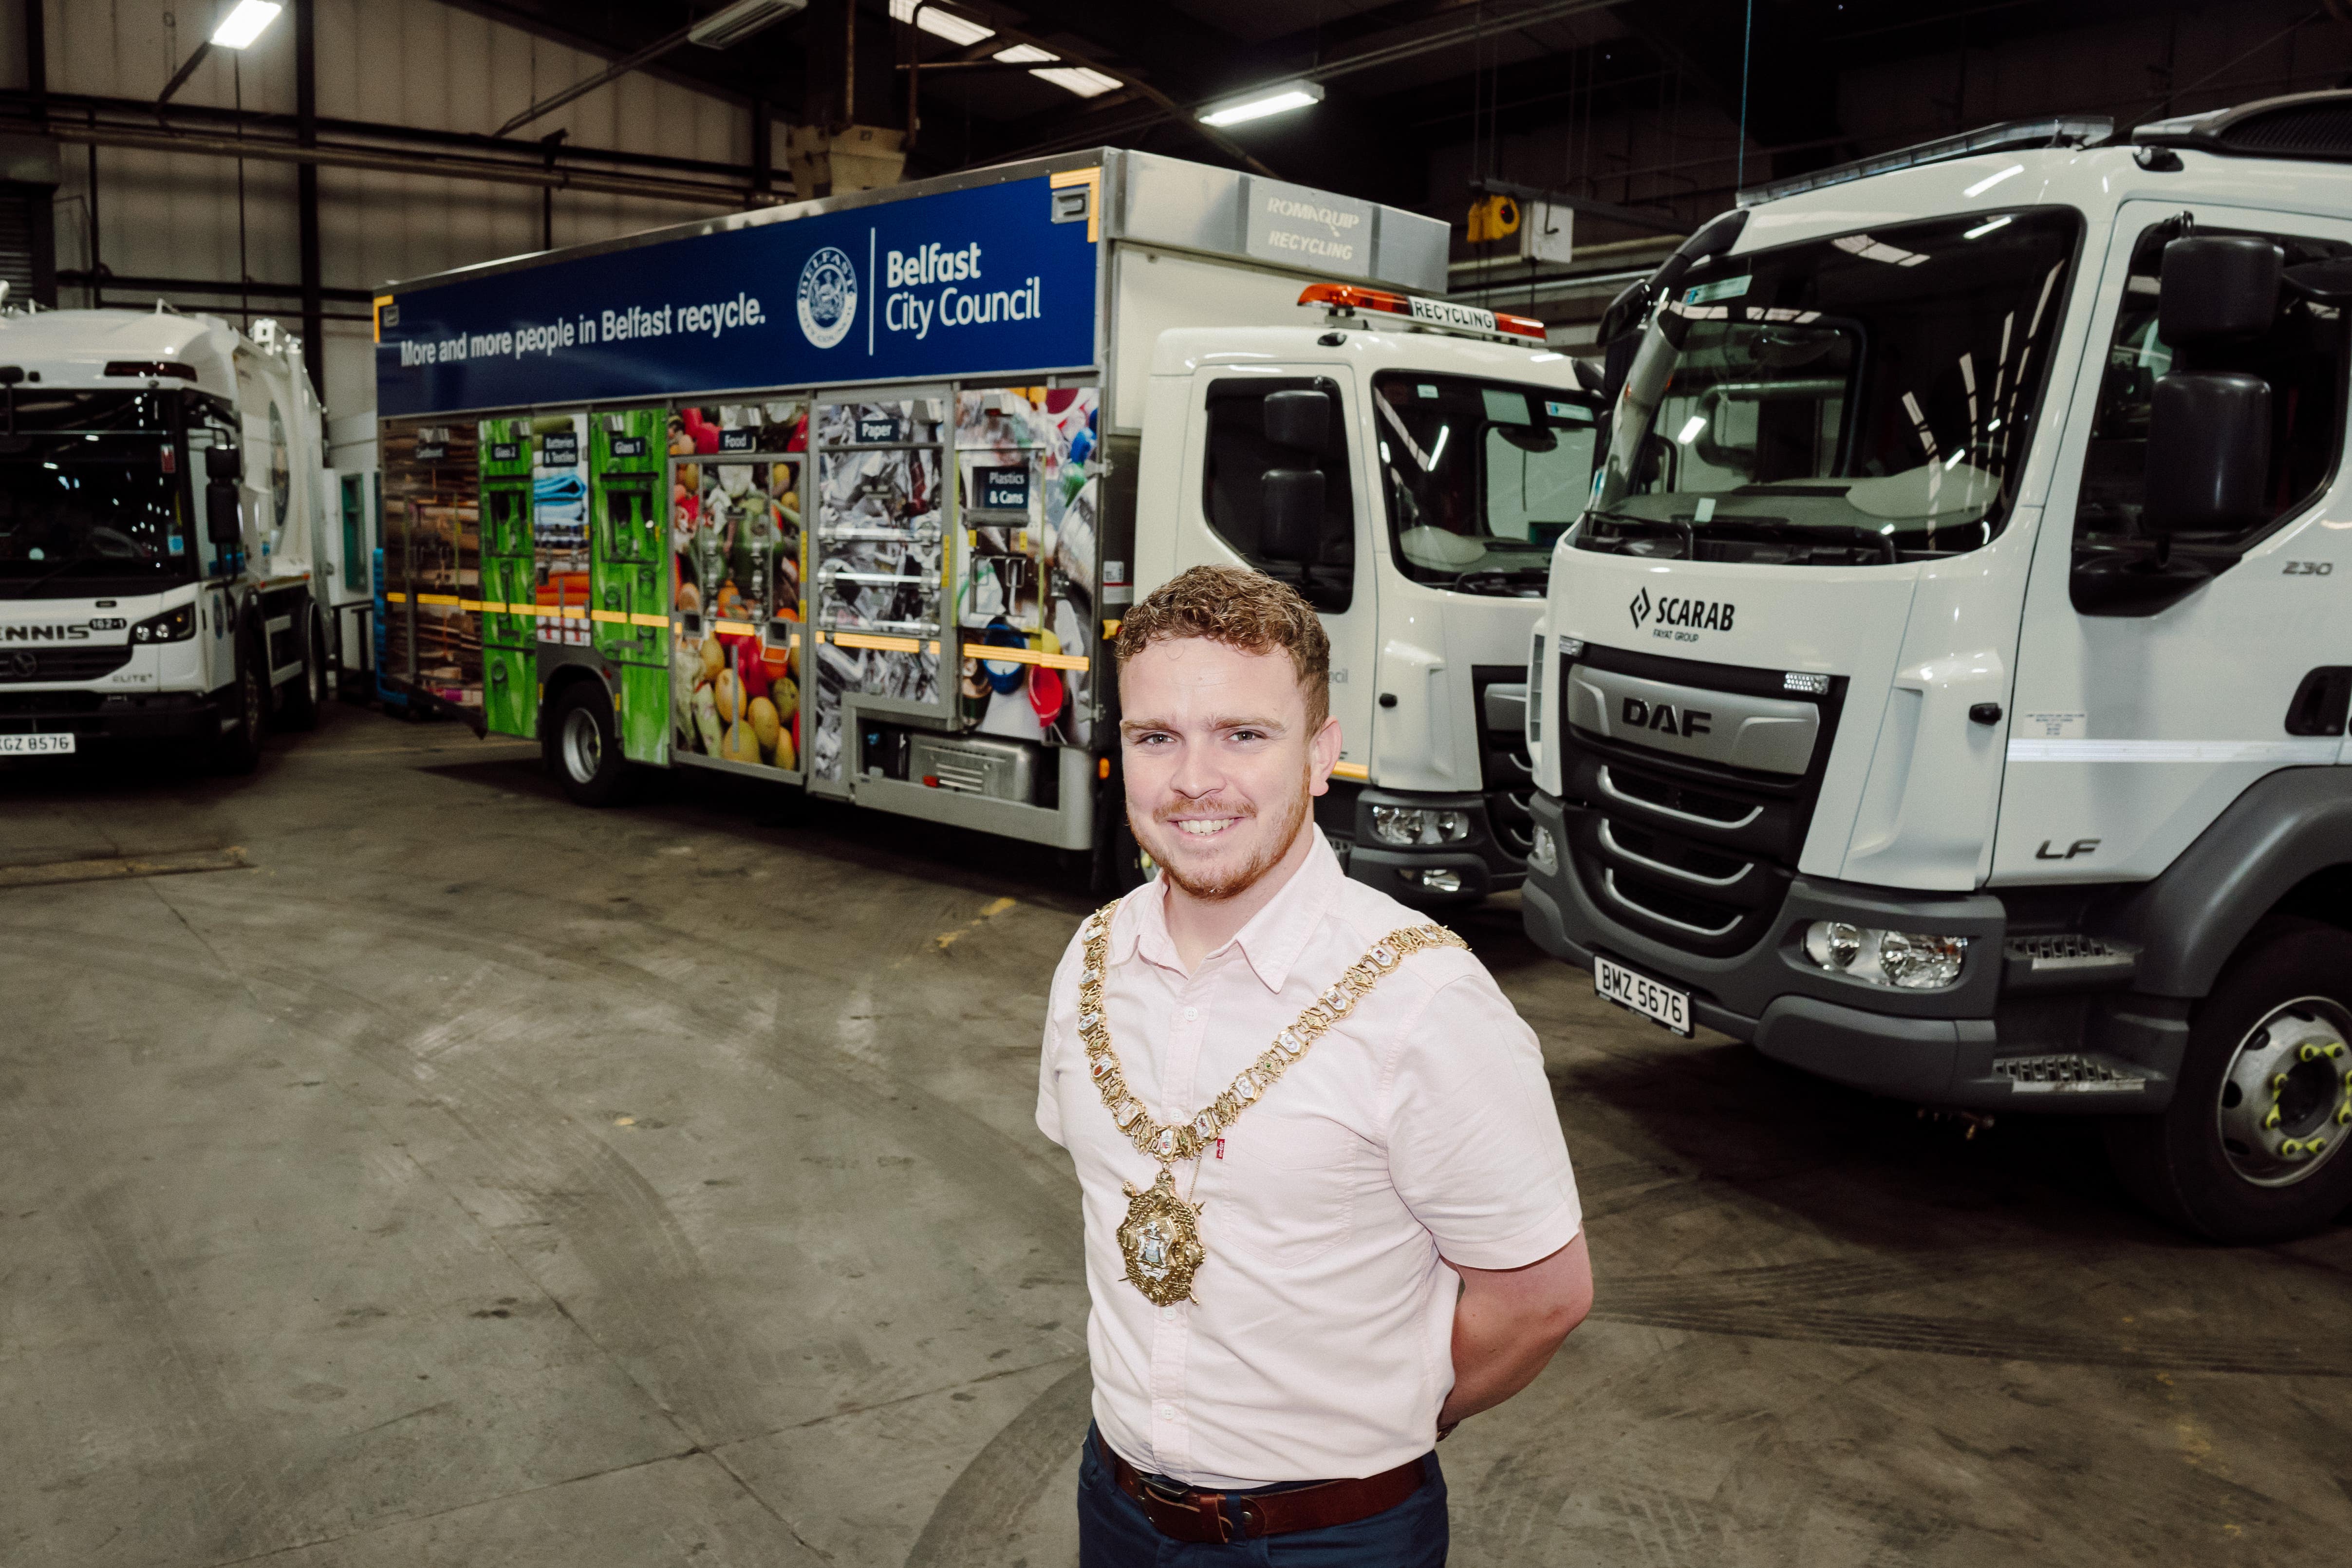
(1197, 773)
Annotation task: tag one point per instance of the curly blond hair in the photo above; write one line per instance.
(1243, 609)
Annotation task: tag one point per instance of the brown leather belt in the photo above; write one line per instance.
(1184, 1513)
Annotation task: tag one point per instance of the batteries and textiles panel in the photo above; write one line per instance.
(1028, 481)
(738, 558)
(432, 557)
(628, 572)
(879, 553)
(510, 625)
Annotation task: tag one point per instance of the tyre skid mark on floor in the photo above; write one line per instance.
(1980, 1341)
(1007, 1479)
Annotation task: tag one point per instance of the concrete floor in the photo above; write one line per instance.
(472, 1180)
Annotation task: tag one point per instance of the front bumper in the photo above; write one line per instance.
(1968, 1046)
(1480, 864)
(92, 717)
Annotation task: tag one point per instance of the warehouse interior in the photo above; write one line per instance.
(408, 1166)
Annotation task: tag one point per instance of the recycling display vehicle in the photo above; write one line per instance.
(1945, 689)
(166, 573)
(849, 496)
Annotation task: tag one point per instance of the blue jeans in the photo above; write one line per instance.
(1114, 1534)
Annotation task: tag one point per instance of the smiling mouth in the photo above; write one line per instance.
(1203, 826)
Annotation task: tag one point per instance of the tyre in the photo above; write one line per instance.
(307, 693)
(2252, 1148)
(587, 747)
(239, 747)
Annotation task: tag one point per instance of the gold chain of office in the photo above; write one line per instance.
(1161, 1238)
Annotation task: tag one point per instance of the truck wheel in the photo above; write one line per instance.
(2252, 1148)
(237, 748)
(307, 693)
(588, 747)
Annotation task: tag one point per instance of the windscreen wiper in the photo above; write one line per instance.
(26, 592)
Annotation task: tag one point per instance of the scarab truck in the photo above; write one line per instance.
(1945, 689)
(165, 575)
(848, 495)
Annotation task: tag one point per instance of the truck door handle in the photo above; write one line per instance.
(2321, 703)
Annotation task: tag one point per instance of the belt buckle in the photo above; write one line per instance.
(1205, 1509)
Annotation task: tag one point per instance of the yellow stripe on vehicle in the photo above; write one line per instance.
(1355, 773)
(450, 599)
(1026, 656)
(637, 620)
(610, 615)
(888, 645)
(734, 628)
(1110, 629)
(395, 598)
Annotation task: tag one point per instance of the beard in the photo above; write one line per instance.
(1242, 877)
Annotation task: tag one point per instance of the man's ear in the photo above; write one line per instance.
(1322, 756)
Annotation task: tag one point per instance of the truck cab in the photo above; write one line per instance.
(1409, 480)
(1945, 689)
(160, 527)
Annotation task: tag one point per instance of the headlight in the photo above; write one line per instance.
(171, 626)
(1412, 826)
(1908, 961)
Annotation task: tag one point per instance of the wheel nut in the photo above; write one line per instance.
(2291, 1147)
(2278, 1083)
(2308, 1052)
(2270, 1121)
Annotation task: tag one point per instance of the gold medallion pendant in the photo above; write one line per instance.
(1161, 1238)
(1162, 1241)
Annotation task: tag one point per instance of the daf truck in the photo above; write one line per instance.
(1945, 689)
(165, 576)
(848, 495)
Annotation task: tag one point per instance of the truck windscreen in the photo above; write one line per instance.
(91, 496)
(1864, 398)
(1482, 478)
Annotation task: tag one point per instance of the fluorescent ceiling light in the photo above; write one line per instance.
(1990, 181)
(1690, 431)
(245, 24)
(1985, 228)
(955, 30)
(1079, 79)
(731, 25)
(1026, 55)
(1261, 102)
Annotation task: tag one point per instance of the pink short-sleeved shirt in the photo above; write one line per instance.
(1419, 1128)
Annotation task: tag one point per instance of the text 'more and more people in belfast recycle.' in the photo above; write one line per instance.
(1329, 1210)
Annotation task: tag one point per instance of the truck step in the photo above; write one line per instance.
(2065, 960)
(2071, 1073)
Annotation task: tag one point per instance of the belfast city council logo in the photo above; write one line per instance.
(828, 296)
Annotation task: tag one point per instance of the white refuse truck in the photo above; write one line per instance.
(166, 575)
(1945, 689)
(849, 495)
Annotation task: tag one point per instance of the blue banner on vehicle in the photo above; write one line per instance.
(963, 283)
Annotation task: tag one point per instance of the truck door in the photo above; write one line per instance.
(1220, 522)
(2163, 670)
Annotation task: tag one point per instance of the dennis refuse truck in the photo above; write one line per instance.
(1945, 689)
(849, 495)
(165, 574)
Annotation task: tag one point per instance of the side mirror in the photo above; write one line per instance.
(2209, 452)
(1290, 513)
(224, 522)
(223, 463)
(1299, 419)
(2217, 288)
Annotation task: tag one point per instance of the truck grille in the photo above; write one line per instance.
(1693, 845)
(24, 667)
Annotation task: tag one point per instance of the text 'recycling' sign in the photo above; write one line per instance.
(963, 283)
